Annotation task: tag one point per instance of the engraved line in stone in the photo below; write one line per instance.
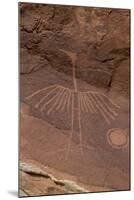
(48, 102)
(98, 93)
(38, 91)
(56, 102)
(101, 107)
(61, 100)
(81, 102)
(72, 129)
(73, 57)
(81, 105)
(90, 102)
(65, 101)
(87, 103)
(69, 100)
(108, 114)
(46, 95)
(84, 103)
(113, 104)
(59, 97)
(108, 107)
(101, 111)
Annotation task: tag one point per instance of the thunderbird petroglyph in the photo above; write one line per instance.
(58, 97)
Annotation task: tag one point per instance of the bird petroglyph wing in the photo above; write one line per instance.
(52, 98)
(98, 103)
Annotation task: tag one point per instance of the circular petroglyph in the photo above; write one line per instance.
(117, 138)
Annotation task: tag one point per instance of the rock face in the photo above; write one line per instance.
(100, 37)
(97, 40)
(95, 170)
(36, 181)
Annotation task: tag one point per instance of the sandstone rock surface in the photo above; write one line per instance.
(100, 40)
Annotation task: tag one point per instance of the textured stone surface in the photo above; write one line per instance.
(100, 168)
(36, 181)
(99, 38)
